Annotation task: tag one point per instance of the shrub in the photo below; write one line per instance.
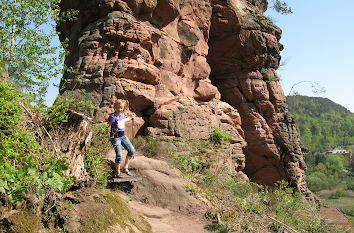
(240, 189)
(139, 142)
(15, 181)
(317, 181)
(150, 146)
(58, 113)
(337, 194)
(216, 227)
(217, 136)
(95, 163)
(350, 186)
(24, 167)
(276, 227)
(11, 112)
(241, 204)
(186, 164)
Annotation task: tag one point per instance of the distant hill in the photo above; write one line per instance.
(323, 124)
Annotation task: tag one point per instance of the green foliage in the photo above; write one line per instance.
(239, 189)
(350, 186)
(23, 167)
(291, 210)
(337, 194)
(198, 160)
(186, 164)
(58, 113)
(323, 124)
(252, 199)
(27, 31)
(216, 227)
(260, 18)
(191, 188)
(271, 80)
(239, 205)
(95, 164)
(276, 227)
(10, 109)
(18, 179)
(217, 136)
(325, 171)
(281, 7)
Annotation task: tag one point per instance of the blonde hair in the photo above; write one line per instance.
(123, 103)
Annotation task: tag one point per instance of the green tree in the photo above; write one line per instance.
(325, 171)
(27, 31)
(281, 7)
(335, 164)
(323, 124)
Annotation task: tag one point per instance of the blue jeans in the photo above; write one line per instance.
(118, 143)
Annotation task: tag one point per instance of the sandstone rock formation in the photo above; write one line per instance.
(188, 67)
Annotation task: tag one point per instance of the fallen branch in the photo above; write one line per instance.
(77, 114)
(51, 139)
(28, 112)
(45, 130)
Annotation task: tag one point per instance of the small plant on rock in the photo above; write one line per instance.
(217, 136)
(150, 146)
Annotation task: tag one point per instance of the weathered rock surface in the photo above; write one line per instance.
(244, 72)
(188, 67)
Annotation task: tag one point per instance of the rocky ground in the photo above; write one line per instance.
(162, 199)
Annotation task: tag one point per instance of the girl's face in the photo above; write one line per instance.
(119, 109)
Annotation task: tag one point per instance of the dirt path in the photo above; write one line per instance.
(162, 186)
(165, 221)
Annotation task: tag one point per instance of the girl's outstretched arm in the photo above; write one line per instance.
(129, 118)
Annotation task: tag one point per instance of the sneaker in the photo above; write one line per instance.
(126, 171)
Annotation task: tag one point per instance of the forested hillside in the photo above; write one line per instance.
(323, 124)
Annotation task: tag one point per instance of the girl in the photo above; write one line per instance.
(116, 122)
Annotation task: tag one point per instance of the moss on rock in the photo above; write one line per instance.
(23, 221)
(115, 213)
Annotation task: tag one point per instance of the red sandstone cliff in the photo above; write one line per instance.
(188, 67)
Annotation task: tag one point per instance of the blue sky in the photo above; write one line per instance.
(318, 41)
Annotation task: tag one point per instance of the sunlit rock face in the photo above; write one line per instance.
(188, 67)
